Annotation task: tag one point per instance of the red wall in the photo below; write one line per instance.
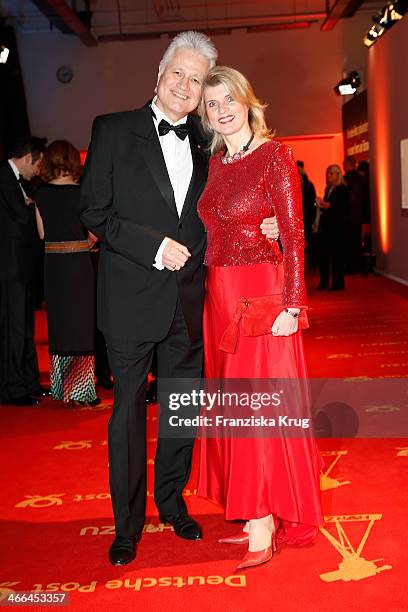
(388, 125)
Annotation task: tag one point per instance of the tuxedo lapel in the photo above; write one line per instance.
(153, 155)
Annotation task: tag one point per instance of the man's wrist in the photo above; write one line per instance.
(158, 260)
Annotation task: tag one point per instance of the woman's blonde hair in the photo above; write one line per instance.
(241, 90)
(336, 168)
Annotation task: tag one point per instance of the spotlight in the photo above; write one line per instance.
(373, 34)
(4, 53)
(393, 12)
(348, 85)
(385, 19)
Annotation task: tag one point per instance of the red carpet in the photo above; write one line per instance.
(56, 523)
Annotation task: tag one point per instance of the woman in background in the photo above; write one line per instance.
(68, 277)
(332, 230)
(271, 483)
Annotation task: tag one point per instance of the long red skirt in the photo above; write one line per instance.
(254, 477)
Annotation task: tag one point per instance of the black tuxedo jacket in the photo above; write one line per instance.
(127, 200)
(19, 241)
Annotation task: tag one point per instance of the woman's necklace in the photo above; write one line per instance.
(229, 159)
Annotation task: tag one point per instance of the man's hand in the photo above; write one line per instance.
(270, 228)
(175, 255)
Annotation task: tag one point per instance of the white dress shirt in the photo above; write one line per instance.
(17, 175)
(179, 164)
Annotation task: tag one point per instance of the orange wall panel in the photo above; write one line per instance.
(317, 151)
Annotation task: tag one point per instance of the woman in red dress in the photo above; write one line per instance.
(271, 483)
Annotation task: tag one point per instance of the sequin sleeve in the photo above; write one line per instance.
(283, 190)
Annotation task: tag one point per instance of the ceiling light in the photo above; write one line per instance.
(349, 85)
(385, 19)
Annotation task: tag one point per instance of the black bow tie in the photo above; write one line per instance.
(180, 130)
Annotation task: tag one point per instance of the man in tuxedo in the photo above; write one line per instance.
(144, 173)
(19, 249)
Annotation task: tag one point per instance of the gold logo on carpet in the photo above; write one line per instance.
(71, 445)
(382, 408)
(402, 451)
(41, 501)
(104, 530)
(353, 566)
(104, 405)
(110, 529)
(326, 481)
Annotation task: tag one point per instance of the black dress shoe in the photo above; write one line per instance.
(184, 526)
(91, 403)
(122, 550)
(24, 400)
(41, 392)
(105, 383)
(336, 288)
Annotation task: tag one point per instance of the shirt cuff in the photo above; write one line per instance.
(158, 263)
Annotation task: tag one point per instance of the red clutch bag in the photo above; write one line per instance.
(255, 317)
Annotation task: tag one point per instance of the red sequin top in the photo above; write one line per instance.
(238, 196)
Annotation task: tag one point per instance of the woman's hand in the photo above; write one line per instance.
(285, 324)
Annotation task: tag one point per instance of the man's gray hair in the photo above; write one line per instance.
(196, 41)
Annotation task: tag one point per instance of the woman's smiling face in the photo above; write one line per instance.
(225, 114)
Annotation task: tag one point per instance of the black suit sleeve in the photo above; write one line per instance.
(12, 199)
(138, 243)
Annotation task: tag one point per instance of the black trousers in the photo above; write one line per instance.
(130, 361)
(19, 374)
(102, 368)
(331, 255)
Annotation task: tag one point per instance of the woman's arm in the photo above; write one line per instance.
(284, 191)
(40, 224)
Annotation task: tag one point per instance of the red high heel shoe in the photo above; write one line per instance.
(240, 538)
(254, 558)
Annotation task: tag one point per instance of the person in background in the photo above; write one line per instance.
(355, 193)
(363, 169)
(19, 250)
(68, 277)
(332, 230)
(309, 209)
